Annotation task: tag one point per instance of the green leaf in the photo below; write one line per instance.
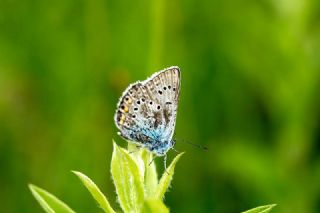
(154, 206)
(95, 192)
(49, 202)
(150, 177)
(127, 179)
(261, 209)
(136, 154)
(166, 178)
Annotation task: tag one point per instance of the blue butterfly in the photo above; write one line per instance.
(147, 110)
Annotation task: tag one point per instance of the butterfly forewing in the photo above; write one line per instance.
(147, 110)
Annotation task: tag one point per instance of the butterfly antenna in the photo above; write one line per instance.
(195, 145)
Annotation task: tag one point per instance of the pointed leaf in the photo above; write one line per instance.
(261, 209)
(151, 176)
(147, 167)
(166, 178)
(136, 154)
(154, 206)
(95, 192)
(127, 179)
(49, 202)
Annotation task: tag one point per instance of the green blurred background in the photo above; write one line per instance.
(250, 92)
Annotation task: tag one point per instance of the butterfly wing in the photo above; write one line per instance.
(165, 88)
(147, 110)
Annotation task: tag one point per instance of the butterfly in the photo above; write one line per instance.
(147, 110)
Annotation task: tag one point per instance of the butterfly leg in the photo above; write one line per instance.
(137, 150)
(152, 160)
(177, 151)
(165, 164)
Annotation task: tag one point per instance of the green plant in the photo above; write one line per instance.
(136, 183)
(261, 209)
(135, 179)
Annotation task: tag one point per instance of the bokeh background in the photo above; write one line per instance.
(250, 92)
